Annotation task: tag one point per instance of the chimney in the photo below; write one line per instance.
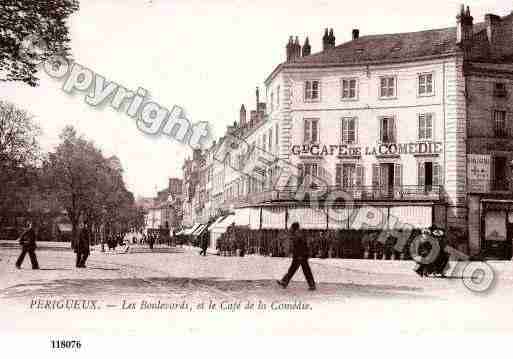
(257, 93)
(261, 110)
(297, 49)
(464, 30)
(289, 48)
(356, 34)
(491, 21)
(252, 118)
(331, 39)
(306, 48)
(196, 154)
(242, 116)
(325, 40)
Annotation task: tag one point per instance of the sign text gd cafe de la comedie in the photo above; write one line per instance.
(413, 148)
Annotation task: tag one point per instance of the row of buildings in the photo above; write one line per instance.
(381, 131)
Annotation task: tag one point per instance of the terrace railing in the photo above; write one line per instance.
(357, 193)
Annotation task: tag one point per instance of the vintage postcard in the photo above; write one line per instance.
(232, 167)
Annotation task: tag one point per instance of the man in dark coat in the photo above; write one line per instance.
(204, 243)
(82, 247)
(28, 245)
(299, 258)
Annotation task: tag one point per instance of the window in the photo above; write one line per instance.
(272, 102)
(425, 126)
(312, 90)
(278, 97)
(264, 141)
(307, 171)
(428, 175)
(270, 138)
(387, 129)
(349, 91)
(348, 175)
(311, 127)
(500, 90)
(425, 84)
(387, 87)
(277, 134)
(348, 134)
(499, 119)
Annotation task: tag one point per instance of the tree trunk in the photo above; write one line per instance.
(74, 233)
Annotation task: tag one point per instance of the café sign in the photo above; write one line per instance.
(413, 148)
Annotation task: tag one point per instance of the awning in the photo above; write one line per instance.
(199, 230)
(222, 223)
(415, 216)
(188, 231)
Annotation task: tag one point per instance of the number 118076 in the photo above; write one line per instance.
(66, 344)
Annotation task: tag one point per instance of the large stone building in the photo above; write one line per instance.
(410, 128)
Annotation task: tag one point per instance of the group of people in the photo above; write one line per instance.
(321, 244)
(233, 242)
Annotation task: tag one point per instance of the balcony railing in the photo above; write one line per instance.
(357, 193)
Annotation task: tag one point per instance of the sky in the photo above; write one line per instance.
(205, 56)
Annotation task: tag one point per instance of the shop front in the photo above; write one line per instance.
(497, 228)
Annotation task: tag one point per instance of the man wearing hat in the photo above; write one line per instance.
(299, 258)
(28, 245)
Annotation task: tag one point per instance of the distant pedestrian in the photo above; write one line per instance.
(299, 258)
(204, 243)
(151, 240)
(28, 245)
(82, 247)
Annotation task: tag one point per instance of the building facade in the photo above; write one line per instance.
(412, 129)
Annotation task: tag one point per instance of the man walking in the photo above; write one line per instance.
(28, 245)
(299, 258)
(82, 248)
(204, 243)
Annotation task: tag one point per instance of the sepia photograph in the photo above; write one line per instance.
(241, 168)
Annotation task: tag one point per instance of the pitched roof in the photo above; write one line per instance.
(376, 49)
(381, 48)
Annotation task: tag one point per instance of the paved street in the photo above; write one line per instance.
(353, 295)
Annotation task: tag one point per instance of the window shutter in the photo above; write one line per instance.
(393, 130)
(359, 176)
(376, 175)
(315, 131)
(421, 174)
(356, 130)
(381, 129)
(398, 175)
(307, 131)
(351, 130)
(343, 130)
(436, 174)
(429, 126)
(301, 174)
(338, 174)
(420, 118)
